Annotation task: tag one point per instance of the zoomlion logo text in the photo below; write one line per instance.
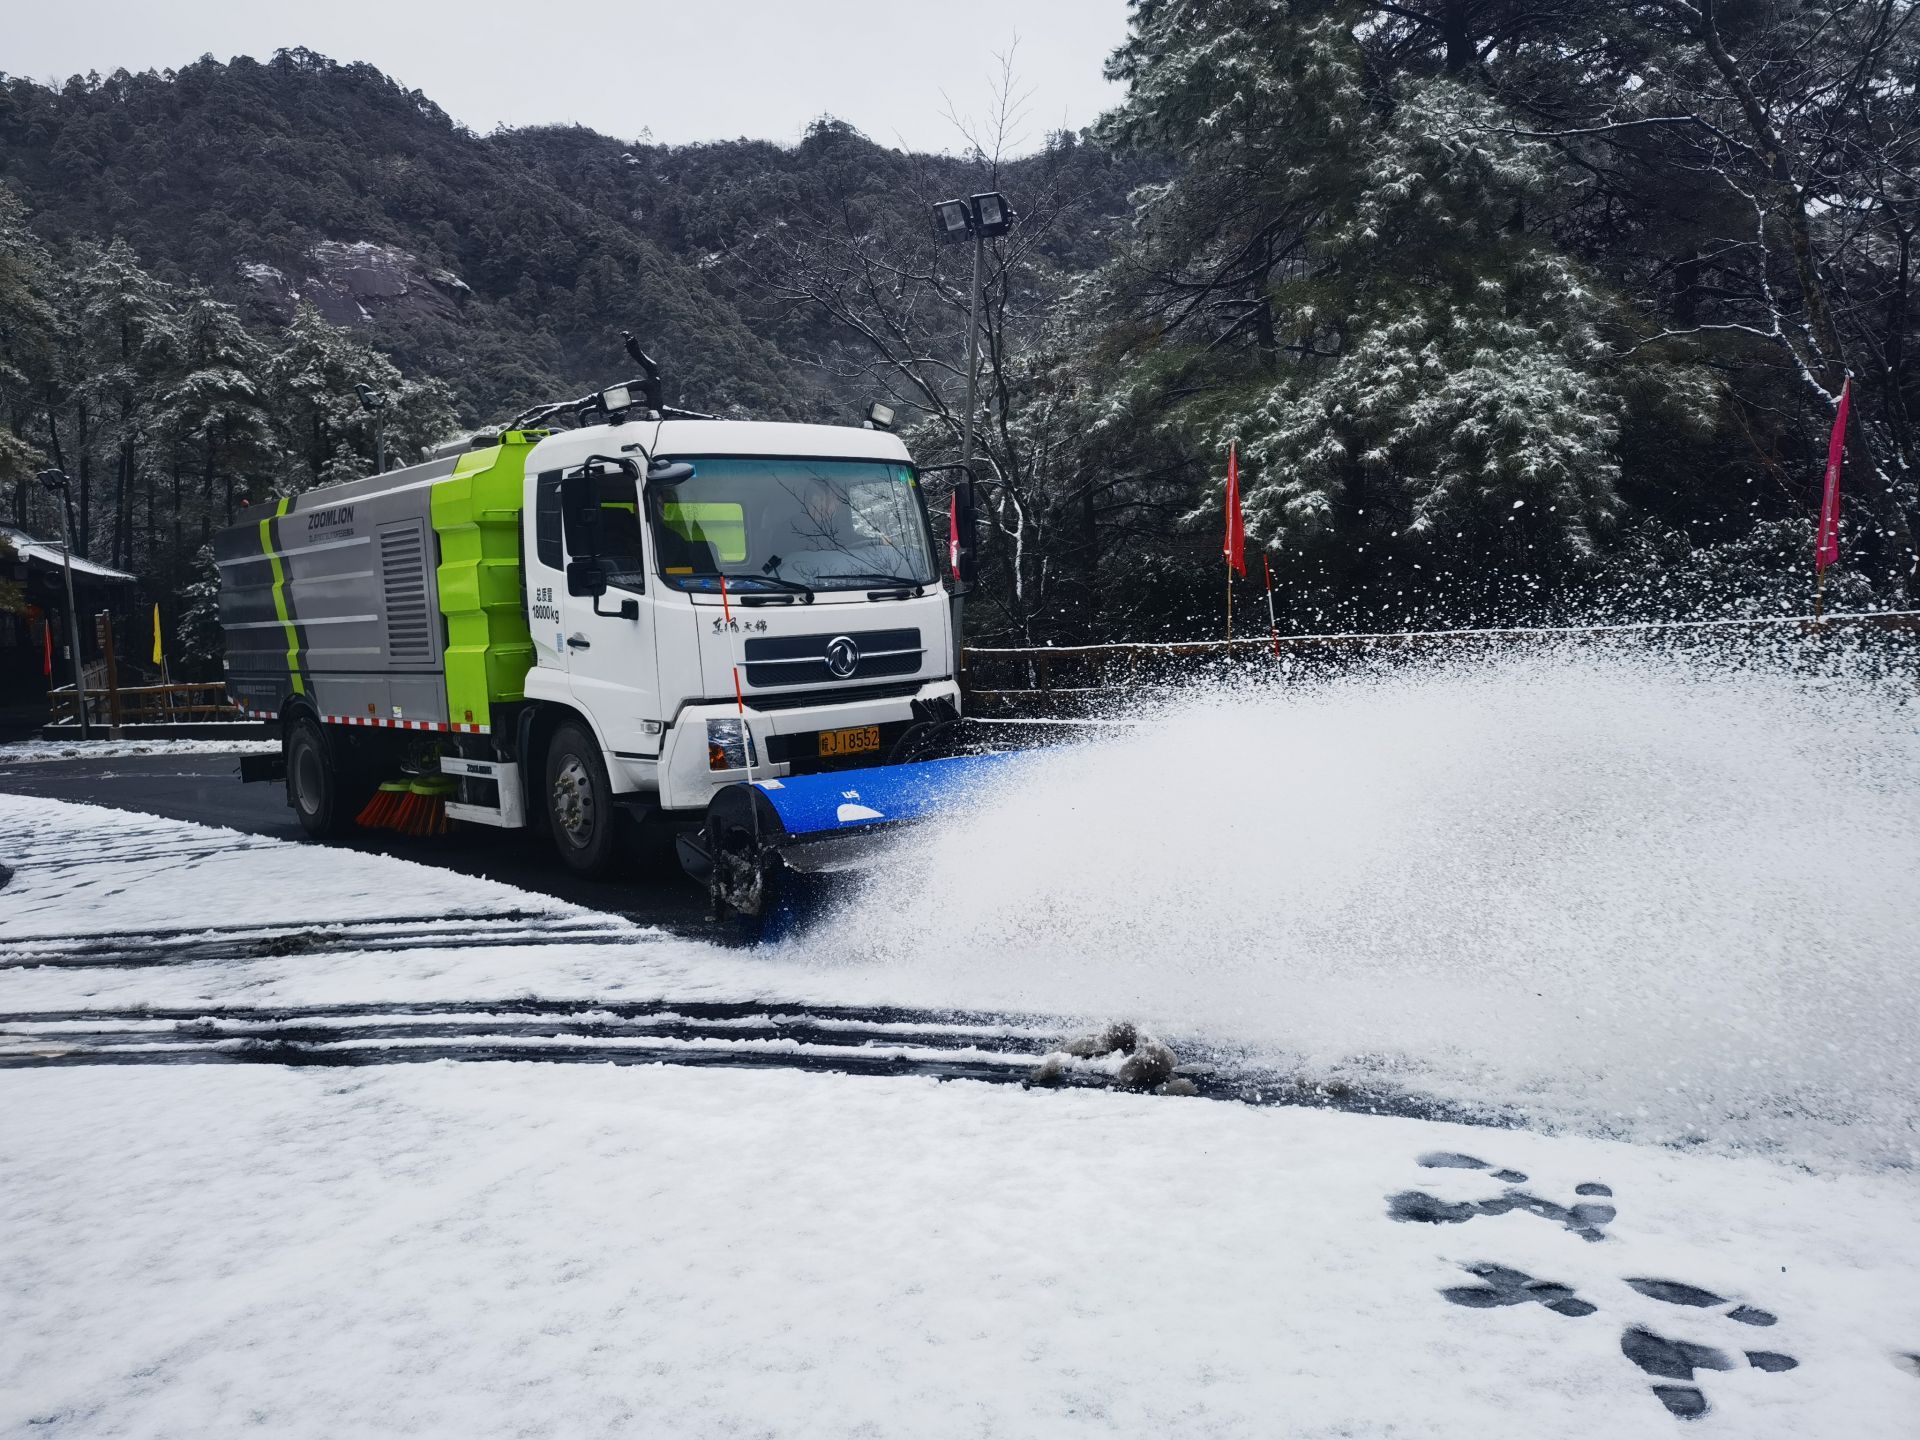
(327, 519)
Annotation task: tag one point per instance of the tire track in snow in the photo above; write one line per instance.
(855, 1040)
(129, 851)
(185, 946)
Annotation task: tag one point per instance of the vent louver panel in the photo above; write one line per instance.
(403, 577)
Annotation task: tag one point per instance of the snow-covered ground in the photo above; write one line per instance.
(33, 752)
(480, 1248)
(494, 1249)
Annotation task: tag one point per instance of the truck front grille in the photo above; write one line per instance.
(786, 660)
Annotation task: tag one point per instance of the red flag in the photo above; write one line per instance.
(1826, 542)
(726, 613)
(46, 629)
(1235, 548)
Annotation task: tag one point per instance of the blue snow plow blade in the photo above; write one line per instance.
(768, 845)
(880, 795)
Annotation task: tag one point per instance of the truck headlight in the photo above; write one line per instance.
(730, 745)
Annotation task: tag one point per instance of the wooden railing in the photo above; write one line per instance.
(146, 705)
(1069, 681)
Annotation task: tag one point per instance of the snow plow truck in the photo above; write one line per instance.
(737, 634)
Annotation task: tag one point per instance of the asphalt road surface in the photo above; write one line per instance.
(208, 789)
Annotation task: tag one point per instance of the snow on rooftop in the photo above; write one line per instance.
(49, 552)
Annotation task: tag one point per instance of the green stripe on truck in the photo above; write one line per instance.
(476, 514)
(268, 548)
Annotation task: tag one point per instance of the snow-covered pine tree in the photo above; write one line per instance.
(28, 350)
(127, 326)
(215, 420)
(327, 432)
(1449, 364)
(1348, 278)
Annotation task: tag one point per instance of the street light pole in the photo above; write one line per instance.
(973, 353)
(979, 218)
(56, 483)
(376, 405)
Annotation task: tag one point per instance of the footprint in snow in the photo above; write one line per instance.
(1675, 1362)
(1503, 1285)
(1587, 1217)
(1674, 1292)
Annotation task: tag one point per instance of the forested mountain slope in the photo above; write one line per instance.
(511, 288)
(1512, 310)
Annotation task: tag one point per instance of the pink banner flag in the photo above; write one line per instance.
(1235, 548)
(1826, 542)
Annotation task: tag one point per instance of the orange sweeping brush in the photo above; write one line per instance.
(381, 811)
(424, 810)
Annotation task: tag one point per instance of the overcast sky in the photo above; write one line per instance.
(691, 71)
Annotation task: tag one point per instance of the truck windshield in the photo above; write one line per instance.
(789, 523)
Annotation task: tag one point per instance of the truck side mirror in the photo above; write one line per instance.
(669, 472)
(579, 504)
(586, 577)
(963, 556)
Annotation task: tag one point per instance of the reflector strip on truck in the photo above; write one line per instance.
(375, 720)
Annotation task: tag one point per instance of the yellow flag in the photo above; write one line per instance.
(159, 657)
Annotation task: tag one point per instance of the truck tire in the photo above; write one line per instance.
(324, 797)
(579, 801)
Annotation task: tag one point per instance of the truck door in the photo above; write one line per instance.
(546, 585)
(608, 638)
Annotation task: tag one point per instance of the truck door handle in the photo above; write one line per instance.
(579, 642)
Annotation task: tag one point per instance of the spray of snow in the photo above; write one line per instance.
(1669, 898)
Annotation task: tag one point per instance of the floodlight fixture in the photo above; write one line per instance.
(991, 214)
(879, 416)
(952, 220)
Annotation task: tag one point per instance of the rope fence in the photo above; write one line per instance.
(1056, 683)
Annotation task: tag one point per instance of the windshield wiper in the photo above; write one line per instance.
(778, 582)
(874, 577)
(901, 587)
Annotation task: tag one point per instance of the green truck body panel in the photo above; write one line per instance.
(476, 515)
(394, 599)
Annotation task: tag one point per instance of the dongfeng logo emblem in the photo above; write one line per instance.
(843, 657)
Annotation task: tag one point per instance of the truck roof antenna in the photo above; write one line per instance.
(651, 390)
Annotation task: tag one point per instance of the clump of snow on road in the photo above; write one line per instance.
(1672, 897)
(35, 752)
(491, 1250)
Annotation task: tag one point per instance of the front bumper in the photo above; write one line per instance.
(687, 782)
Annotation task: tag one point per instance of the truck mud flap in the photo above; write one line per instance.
(262, 767)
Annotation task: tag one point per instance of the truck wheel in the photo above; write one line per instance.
(323, 797)
(580, 811)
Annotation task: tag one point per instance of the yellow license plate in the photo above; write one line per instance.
(858, 740)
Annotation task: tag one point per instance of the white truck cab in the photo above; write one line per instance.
(715, 596)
